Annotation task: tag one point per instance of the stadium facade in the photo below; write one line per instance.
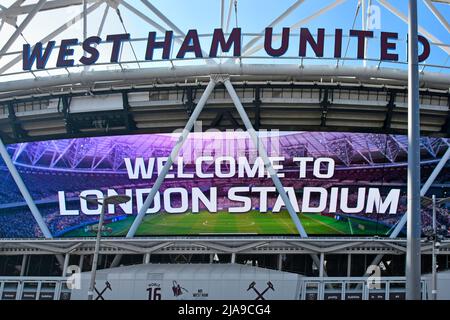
(293, 174)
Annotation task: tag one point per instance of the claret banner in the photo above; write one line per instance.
(338, 184)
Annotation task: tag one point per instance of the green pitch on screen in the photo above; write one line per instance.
(253, 223)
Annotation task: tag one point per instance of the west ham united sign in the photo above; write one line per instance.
(338, 184)
(38, 55)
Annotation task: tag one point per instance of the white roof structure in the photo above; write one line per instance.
(30, 21)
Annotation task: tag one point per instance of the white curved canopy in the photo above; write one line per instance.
(31, 21)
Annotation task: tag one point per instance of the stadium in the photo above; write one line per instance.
(245, 164)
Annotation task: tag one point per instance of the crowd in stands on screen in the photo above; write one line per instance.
(44, 184)
(18, 225)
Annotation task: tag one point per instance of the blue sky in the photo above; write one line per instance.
(253, 16)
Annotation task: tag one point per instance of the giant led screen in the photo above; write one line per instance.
(339, 184)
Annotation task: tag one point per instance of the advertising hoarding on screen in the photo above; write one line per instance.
(339, 184)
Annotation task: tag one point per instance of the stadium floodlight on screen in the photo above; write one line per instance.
(338, 183)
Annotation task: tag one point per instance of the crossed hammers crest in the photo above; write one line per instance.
(100, 294)
(260, 295)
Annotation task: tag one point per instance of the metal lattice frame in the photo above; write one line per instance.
(77, 155)
(387, 145)
(342, 149)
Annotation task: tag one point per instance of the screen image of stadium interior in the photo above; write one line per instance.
(340, 184)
